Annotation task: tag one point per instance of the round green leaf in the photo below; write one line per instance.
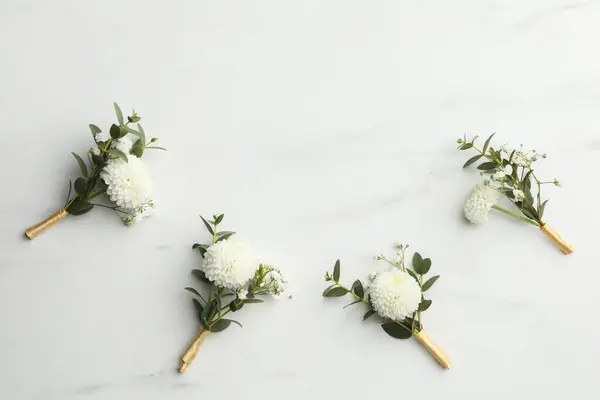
(220, 325)
(80, 185)
(335, 292)
(79, 207)
(336, 271)
(396, 331)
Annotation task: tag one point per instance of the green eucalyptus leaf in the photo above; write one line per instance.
(527, 213)
(207, 225)
(236, 322)
(82, 166)
(119, 114)
(542, 208)
(472, 160)
(194, 291)
(225, 236)
(219, 218)
(336, 271)
(412, 273)
(98, 160)
(353, 303)
(487, 143)
(119, 154)
(80, 185)
(429, 283)
(416, 262)
(132, 131)
(79, 207)
(396, 331)
(115, 131)
(142, 134)
(336, 292)
(200, 275)
(95, 130)
(357, 288)
(253, 301)
(487, 166)
(425, 266)
(424, 305)
(466, 146)
(198, 306)
(328, 289)
(368, 314)
(220, 325)
(138, 148)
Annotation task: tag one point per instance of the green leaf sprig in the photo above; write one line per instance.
(511, 173)
(219, 302)
(88, 186)
(403, 329)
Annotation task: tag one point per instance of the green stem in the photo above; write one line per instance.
(485, 155)
(96, 194)
(421, 285)
(515, 215)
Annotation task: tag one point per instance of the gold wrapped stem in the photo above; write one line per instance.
(555, 237)
(435, 350)
(36, 229)
(192, 350)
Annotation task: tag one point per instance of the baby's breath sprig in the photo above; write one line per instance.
(233, 276)
(114, 168)
(509, 173)
(396, 295)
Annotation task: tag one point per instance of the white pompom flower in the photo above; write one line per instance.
(129, 184)
(479, 203)
(230, 265)
(395, 294)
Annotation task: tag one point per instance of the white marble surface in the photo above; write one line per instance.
(322, 129)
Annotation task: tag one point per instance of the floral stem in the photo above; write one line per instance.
(496, 207)
(98, 193)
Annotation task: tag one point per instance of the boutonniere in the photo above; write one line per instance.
(114, 168)
(509, 173)
(396, 295)
(232, 276)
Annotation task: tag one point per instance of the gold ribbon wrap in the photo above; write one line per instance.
(555, 237)
(36, 229)
(435, 350)
(192, 350)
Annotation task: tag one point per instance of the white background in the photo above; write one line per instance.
(322, 129)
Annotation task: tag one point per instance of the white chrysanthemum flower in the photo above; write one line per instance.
(479, 203)
(230, 265)
(102, 137)
(129, 184)
(243, 294)
(123, 144)
(395, 294)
